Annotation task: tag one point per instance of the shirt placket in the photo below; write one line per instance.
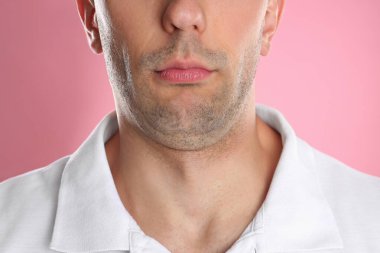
(247, 244)
(141, 243)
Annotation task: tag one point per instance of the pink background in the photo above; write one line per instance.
(323, 73)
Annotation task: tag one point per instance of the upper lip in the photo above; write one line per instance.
(183, 64)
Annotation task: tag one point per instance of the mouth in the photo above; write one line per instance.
(176, 75)
(184, 72)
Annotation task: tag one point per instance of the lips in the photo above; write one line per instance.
(184, 72)
(184, 75)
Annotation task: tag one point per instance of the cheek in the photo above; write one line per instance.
(240, 45)
(133, 23)
(237, 24)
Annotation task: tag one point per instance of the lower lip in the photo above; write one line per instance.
(184, 75)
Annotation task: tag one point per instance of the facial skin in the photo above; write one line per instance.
(139, 36)
(193, 153)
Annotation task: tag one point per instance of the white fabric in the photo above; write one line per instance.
(315, 204)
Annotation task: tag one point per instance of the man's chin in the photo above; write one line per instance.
(188, 133)
(186, 142)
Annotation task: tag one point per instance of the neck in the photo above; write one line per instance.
(203, 188)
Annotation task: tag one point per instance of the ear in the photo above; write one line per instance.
(87, 13)
(272, 19)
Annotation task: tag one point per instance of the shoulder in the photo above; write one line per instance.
(353, 196)
(28, 204)
(336, 175)
(32, 184)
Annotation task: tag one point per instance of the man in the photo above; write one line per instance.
(188, 162)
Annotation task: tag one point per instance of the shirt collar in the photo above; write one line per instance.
(91, 217)
(296, 212)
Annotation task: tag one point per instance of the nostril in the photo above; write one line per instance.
(183, 15)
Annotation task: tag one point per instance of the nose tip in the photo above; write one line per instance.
(184, 15)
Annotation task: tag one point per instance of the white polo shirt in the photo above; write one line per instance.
(315, 203)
